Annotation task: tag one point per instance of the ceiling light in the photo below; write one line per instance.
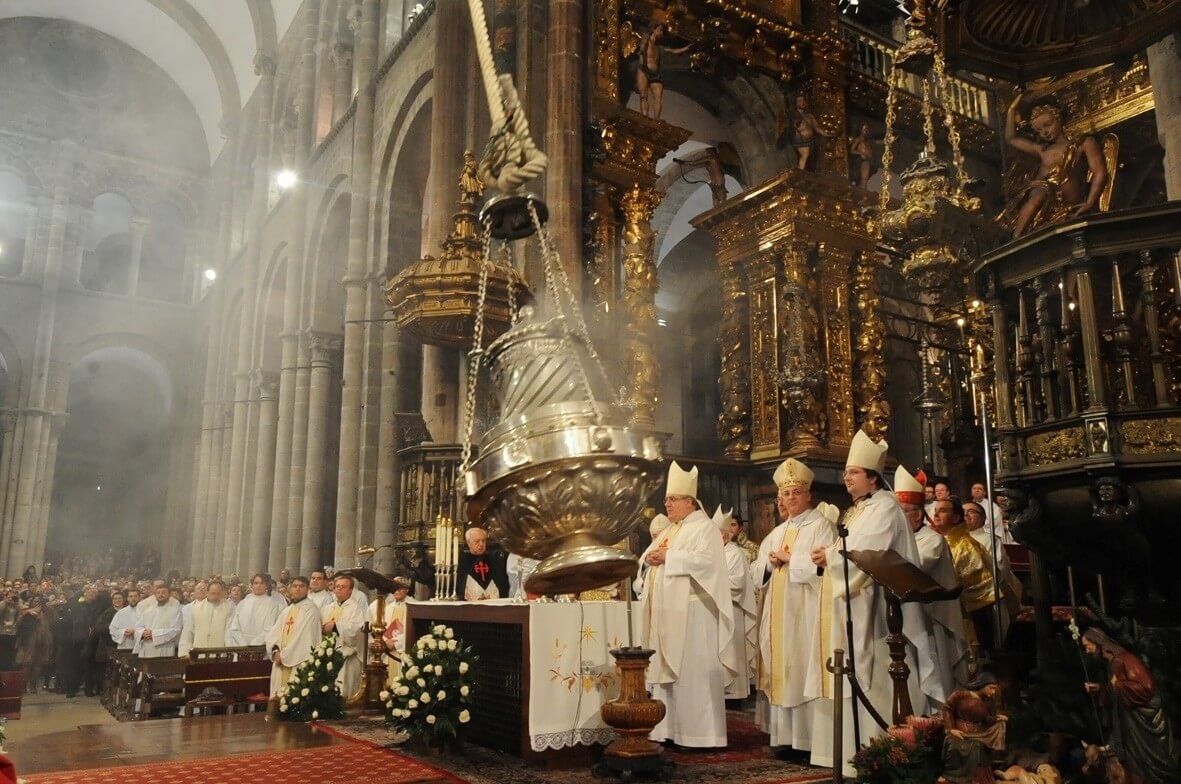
(285, 179)
(210, 274)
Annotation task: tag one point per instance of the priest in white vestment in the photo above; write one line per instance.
(255, 614)
(293, 636)
(946, 621)
(791, 662)
(875, 522)
(346, 616)
(319, 590)
(123, 625)
(686, 618)
(742, 605)
(655, 528)
(209, 620)
(157, 624)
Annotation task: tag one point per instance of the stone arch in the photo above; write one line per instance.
(403, 181)
(262, 16)
(329, 247)
(269, 310)
(14, 220)
(140, 344)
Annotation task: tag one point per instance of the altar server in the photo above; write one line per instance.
(743, 638)
(393, 635)
(791, 662)
(123, 624)
(686, 618)
(346, 616)
(157, 624)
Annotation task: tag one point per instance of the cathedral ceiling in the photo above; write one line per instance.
(206, 46)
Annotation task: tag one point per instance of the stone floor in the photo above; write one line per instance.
(47, 713)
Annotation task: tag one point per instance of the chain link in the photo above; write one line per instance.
(953, 133)
(928, 117)
(477, 351)
(888, 146)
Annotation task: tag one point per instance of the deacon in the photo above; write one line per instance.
(255, 614)
(157, 624)
(318, 589)
(743, 639)
(209, 624)
(346, 616)
(685, 617)
(483, 573)
(791, 662)
(293, 636)
(394, 634)
(875, 522)
(124, 623)
(946, 622)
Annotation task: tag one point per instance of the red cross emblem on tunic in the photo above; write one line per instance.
(481, 569)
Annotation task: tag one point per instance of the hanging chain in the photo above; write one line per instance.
(476, 354)
(888, 146)
(928, 117)
(953, 133)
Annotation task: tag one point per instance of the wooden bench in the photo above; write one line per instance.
(12, 689)
(111, 680)
(160, 685)
(243, 683)
(236, 654)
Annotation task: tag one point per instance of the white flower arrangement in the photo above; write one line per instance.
(432, 696)
(311, 692)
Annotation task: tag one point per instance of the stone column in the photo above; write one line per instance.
(355, 350)
(565, 74)
(264, 66)
(72, 273)
(323, 349)
(139, 229)
(57, 423)
(215, 528)
(440, 377)
(201, 494)
(639, 304)
(342, 77)
(1164, 67)
(266, 383)
(388, 443)
(280, 556)
(216, 563)
(29, 259)
(8, 447)
(21, 549)
(299, 450)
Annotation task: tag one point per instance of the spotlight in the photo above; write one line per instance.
(285, 179)
(960, 321)
(210, 274)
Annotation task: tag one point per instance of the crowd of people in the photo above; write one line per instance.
(725, 619)
(62, 629)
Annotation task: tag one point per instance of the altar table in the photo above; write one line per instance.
(544, 669)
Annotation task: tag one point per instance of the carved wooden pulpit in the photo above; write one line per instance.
(904, 582)
(373, 676)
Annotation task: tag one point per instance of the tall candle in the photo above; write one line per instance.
(445, 546)
(455, 551)
(438, 538)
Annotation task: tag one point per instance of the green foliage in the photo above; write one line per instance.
(430, 697)
(312, 692)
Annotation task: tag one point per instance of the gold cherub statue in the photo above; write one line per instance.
(1074, 175)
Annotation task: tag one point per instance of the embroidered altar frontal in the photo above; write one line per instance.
(544, 669)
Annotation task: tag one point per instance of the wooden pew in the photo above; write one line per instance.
(125, 683)
(12, 689)
(118, 661)
(243, 683)
(236, 654)
(161, 684)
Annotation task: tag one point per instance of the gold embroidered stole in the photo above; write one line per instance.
(773, 675)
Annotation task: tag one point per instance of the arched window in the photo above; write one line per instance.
(106, 260)
(13, 223)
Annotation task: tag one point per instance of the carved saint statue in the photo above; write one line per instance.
(799, 128)
(649, 79)
(861, 157)
(1072, 177)
(975, 729)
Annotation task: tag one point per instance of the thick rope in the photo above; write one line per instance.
(510, 159)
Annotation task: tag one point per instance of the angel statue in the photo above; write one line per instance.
(1073, 175)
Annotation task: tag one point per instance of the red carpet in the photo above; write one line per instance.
(346, 763)
(744, 741)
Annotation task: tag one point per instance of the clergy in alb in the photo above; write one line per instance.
(482, 573)
(791, 660)
(743, 640)
(875, 522)
(209, 620)
(945, 620)
(123, 624)
(686, 618)
(319, 590)
(157, 624)
(293, 636)
(346, 616)
(255, 615)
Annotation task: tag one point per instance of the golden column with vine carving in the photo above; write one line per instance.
(639, 303)
(734, 382)
(603, 227)
(835, 262)
(764, 356)
(800, 365)
(873, 410)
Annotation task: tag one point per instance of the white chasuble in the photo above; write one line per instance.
(686, 617)
(743, 638)
(350, 630)
(209, 626)
(293, 636)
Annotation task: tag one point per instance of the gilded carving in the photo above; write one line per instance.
(1151, 436)
(1056, 446)
(734, 384)
(607, 49)
(801, 374)
(639, 303)
(764, 392)
(873, 410)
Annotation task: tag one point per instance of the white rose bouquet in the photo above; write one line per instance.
(312, 692)
(432, 695)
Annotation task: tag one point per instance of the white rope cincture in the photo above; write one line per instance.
(510, 159)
